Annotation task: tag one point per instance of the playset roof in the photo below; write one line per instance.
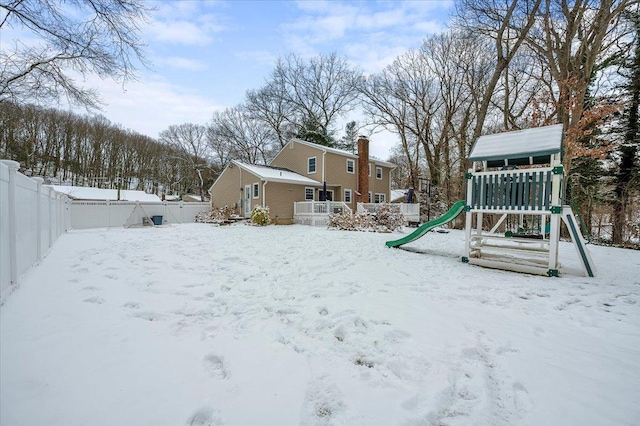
(534, 142)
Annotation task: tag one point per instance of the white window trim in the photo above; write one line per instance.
(353, 168)
(330, 191)
(369, 169)
(379, 168)
(255, 186)
(315, 165)
(382, 198)
(344, 197)
(313, 192)
(371, 196)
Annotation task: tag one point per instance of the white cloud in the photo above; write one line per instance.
(186, 23)
(260, 57)
(179, 32)
(151, 106)
(384, 28)
(430, 27)
(182, 63)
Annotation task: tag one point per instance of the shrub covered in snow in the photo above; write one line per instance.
(389, 217)
(386, 219)
(218, 215)
(260, 215)
(358, 221)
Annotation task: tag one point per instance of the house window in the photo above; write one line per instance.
(347, 195)
(308, 194)
(311, 165)
(351, 166)
(256, 190)
(378, 172)
(370, 196)
(380, 198)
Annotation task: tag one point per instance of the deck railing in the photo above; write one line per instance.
(316, 213)
(512, 190)
(320, 207)
(411, 212)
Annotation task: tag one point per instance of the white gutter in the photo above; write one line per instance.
(264, 193)
(324, 152)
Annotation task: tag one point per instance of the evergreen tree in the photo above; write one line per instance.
(311, 131)
(349, 141)
(627, 175)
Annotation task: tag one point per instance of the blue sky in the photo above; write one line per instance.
(207, 54)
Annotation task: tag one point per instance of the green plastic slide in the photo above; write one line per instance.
(453, 212)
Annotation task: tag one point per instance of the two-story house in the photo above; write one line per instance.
(304, 171)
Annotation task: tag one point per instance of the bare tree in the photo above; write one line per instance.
(241, 136)
(507, 23)
(572, 38)
(316, 91)
(100, 37)
(270, 105)
(384, 109)
(189, 142)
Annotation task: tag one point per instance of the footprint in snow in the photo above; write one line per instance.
(214, 365)
(131, 305)
(323, 403)
(148, 315)
(95, 299)
(204, 417)
(521, 398)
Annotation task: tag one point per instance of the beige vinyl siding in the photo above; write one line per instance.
(226, 191)
(280, 199)
(337, 176)
(295, 159)
(380, 186)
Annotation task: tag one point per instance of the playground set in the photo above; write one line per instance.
(516, 184)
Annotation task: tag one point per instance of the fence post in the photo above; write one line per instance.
(51, 215)
(13, 235)
(39, 181)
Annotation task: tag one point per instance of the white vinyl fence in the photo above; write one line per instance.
(32, 217)
(106, 214)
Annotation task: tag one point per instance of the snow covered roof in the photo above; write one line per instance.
(325, 148)
(343, 152)
(534, 142)
(398, 193)
(277, 174)
(88, 193)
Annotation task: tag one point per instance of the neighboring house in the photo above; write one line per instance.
(99, 194)
(191, 198)
(300, 172)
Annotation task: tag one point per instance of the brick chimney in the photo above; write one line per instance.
(363, 170)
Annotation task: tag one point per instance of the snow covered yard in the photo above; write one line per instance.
(286, 325)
